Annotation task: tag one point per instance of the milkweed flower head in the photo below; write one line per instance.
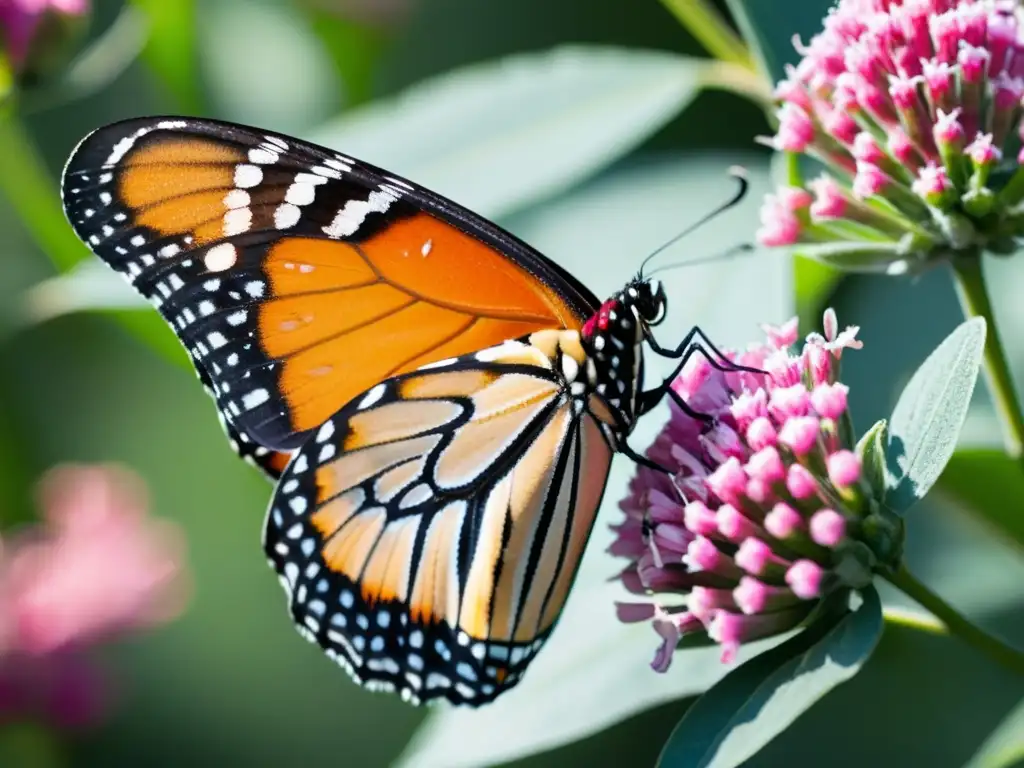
(767, 509)
(96, 569)
(914, 109)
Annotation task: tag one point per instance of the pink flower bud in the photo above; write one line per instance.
(733, 525)
(779, 225)
(932, 184)
(866, 149)
(903, 91)
(704, 601)
(787, 402)
(841, 126)
(783, 521)
(830, 324)
(699, 519)
(727, 630)
(939, 79)
(728, 481)
(830, 201)
(819, 363)
(869, 181)
(829, 400)
(794, 199)
(748, 406)
(784, 335)
(751, 595)
(973, 63)
(945, 30)
(761, 434)
(703, 555)
(844, 468)
(903, 149)
(800, 434)
(804, 578)
(800, 482)
(766, 465)
(982, 151)
(828, 527)
(796, 131)
(948, 130)
(754, 556)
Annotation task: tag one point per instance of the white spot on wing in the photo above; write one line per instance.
(247, 176)
(350, 218)
(221, 257)
(255, 398)
(287, 215)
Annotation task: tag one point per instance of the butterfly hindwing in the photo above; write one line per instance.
(297, 277)
(428, 533)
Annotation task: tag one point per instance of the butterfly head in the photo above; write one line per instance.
(648, 296)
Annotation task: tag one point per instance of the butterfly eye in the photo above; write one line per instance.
(656, 310)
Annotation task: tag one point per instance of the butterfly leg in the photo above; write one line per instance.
(639, 458)
(696, 339)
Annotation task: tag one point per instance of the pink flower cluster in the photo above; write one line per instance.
(96, 569)
(759, 518)
(910, 105)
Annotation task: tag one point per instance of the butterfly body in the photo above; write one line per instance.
(438, 403)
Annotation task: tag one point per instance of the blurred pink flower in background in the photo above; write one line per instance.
(767, 510)
(26, 22)
(97, 568)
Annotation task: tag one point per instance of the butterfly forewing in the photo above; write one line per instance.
(427, 535)
(297, 277)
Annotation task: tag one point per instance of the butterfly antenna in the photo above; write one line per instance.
(736, 250)
(740, 175)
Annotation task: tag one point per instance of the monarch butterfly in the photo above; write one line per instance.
(438, 402)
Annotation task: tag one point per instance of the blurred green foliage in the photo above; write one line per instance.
(231, 683)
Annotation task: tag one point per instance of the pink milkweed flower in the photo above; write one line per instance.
(96, 568)
(911, 107)
(755, 531)
(36, 32)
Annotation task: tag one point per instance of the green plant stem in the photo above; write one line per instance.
(970, 281)
(710, 30)
(956, 623)
(31, 191)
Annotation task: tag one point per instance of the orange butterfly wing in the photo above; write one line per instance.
(297, 277)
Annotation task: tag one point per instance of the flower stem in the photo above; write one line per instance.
(711, 31)
(956, 623)
(970, 281)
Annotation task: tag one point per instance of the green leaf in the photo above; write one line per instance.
(756, 702)
(769, 28)
(982, 479)
(871, 449)
(91, 285)
(850, 256)
(501, 135)
(926, 422)
(595, 671)
(172, 50)
(1005, 747)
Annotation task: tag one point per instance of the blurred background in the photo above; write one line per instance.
(593, 153)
